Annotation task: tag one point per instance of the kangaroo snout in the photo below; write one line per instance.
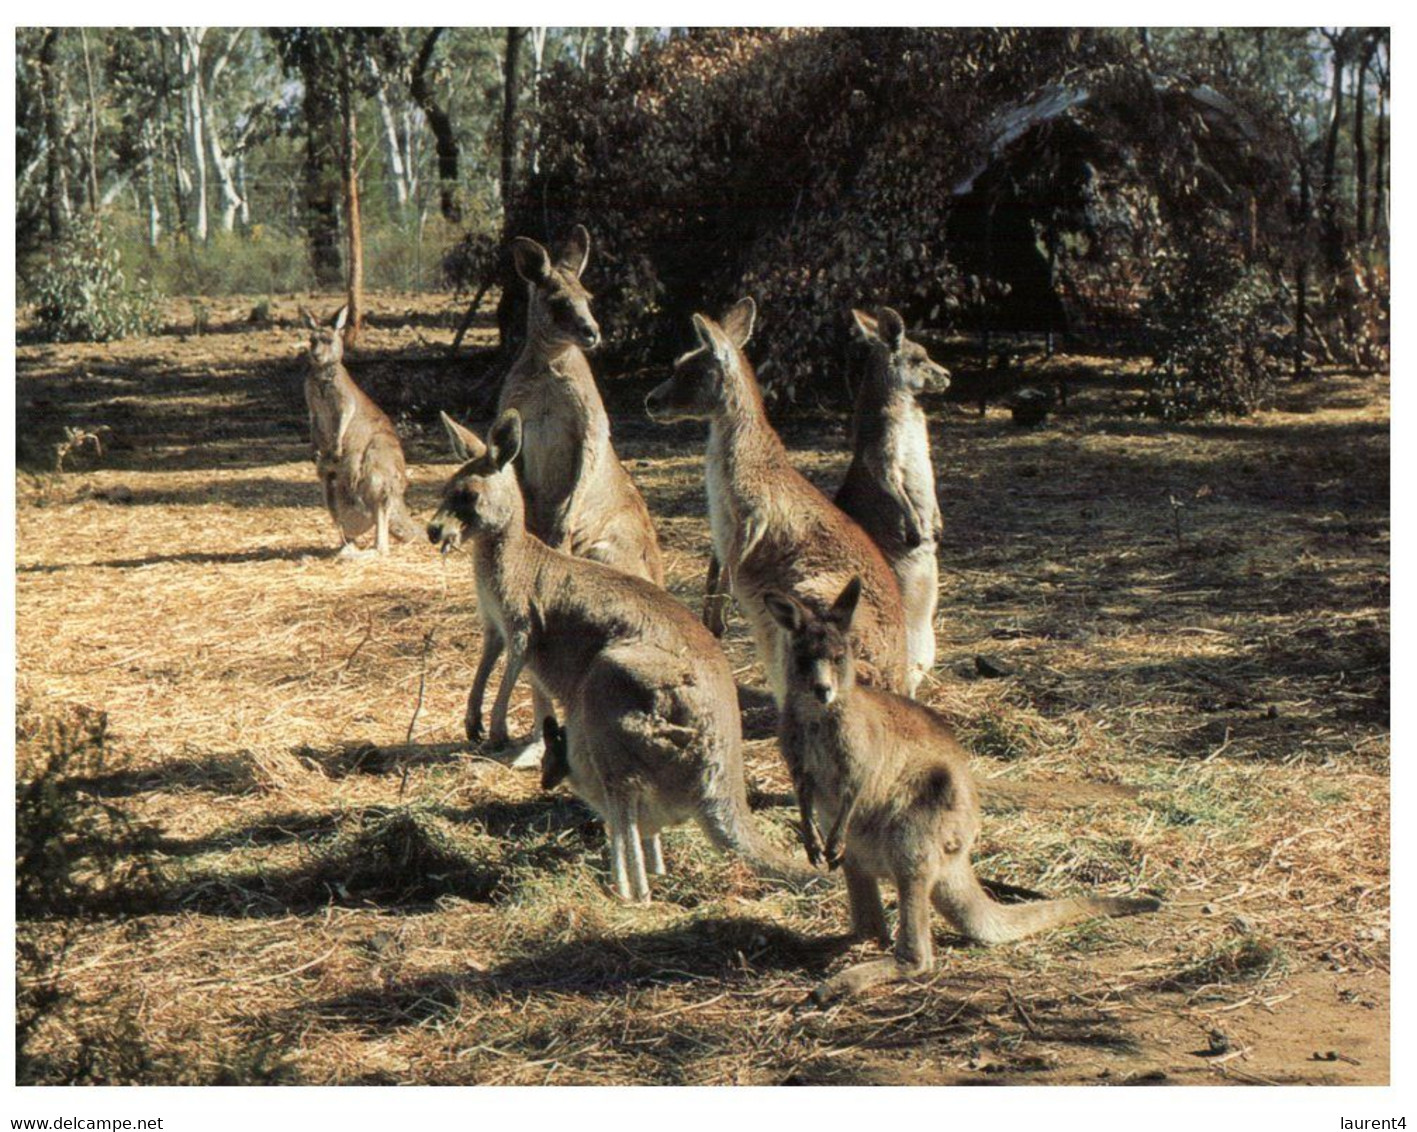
(824, 692)
(590, 336)
(445, 538)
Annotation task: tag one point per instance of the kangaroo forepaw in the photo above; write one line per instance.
(835, 854)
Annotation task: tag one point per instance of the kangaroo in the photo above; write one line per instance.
(579, 498)
(357, 452)
(653, 736)
(890, 487)
(772, 530)
(893, 785)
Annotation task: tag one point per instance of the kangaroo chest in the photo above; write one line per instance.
(325, 408)
(910, 452)
(821, 748)
(564, 433)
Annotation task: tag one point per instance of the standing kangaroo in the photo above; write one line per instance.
(890, 487)
(579, 498)
(357, 452)
(772, 530)
(893, 785)
(653, 735)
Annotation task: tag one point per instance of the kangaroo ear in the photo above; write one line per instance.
(843, 610)
(713, 338)
(864, 326)
(576, 253)
(308, 319)
(892, 327)
(785, 610)
(465, 444)
(738, 322)
(533, 262)
(340, 318)
(505, 439)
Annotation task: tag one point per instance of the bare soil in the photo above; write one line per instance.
(1196, 621)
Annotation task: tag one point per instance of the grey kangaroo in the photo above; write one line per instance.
(579, 498)
(892, 786)
(890, 487)
(357, 453)
(772, 529)
(653, 735)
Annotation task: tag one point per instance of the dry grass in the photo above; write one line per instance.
(340, 901)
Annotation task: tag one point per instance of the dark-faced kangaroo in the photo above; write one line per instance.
(579, 498)
(652, 733)
(357, 453)
(773, 530)
(892, 786)
(890, 487)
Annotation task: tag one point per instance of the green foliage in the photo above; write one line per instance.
(83, 295)
(1210, 320)
(267, 261)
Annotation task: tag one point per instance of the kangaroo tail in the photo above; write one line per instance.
(728, 824)
(964, 902)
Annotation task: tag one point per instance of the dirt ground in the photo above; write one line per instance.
(1195, 619)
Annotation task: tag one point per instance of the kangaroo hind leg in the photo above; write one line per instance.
(654, 855)
(868, 917)
(913, 956)
(627, 857)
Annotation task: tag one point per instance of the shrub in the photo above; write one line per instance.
(1210, 321)
(75, 853)
(82, 294)
(819, 170)
(76, 856)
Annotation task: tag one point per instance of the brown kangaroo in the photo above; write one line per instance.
(890, 487)
(893, 785)
(653, 736)
(357, 452)
(772, 530)
(579, 498)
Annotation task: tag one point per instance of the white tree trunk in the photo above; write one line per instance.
(411, 130)
(397, 179)
(245, 214)
(150, 186)
(222, 165)
(538, 58)
(189, 59)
